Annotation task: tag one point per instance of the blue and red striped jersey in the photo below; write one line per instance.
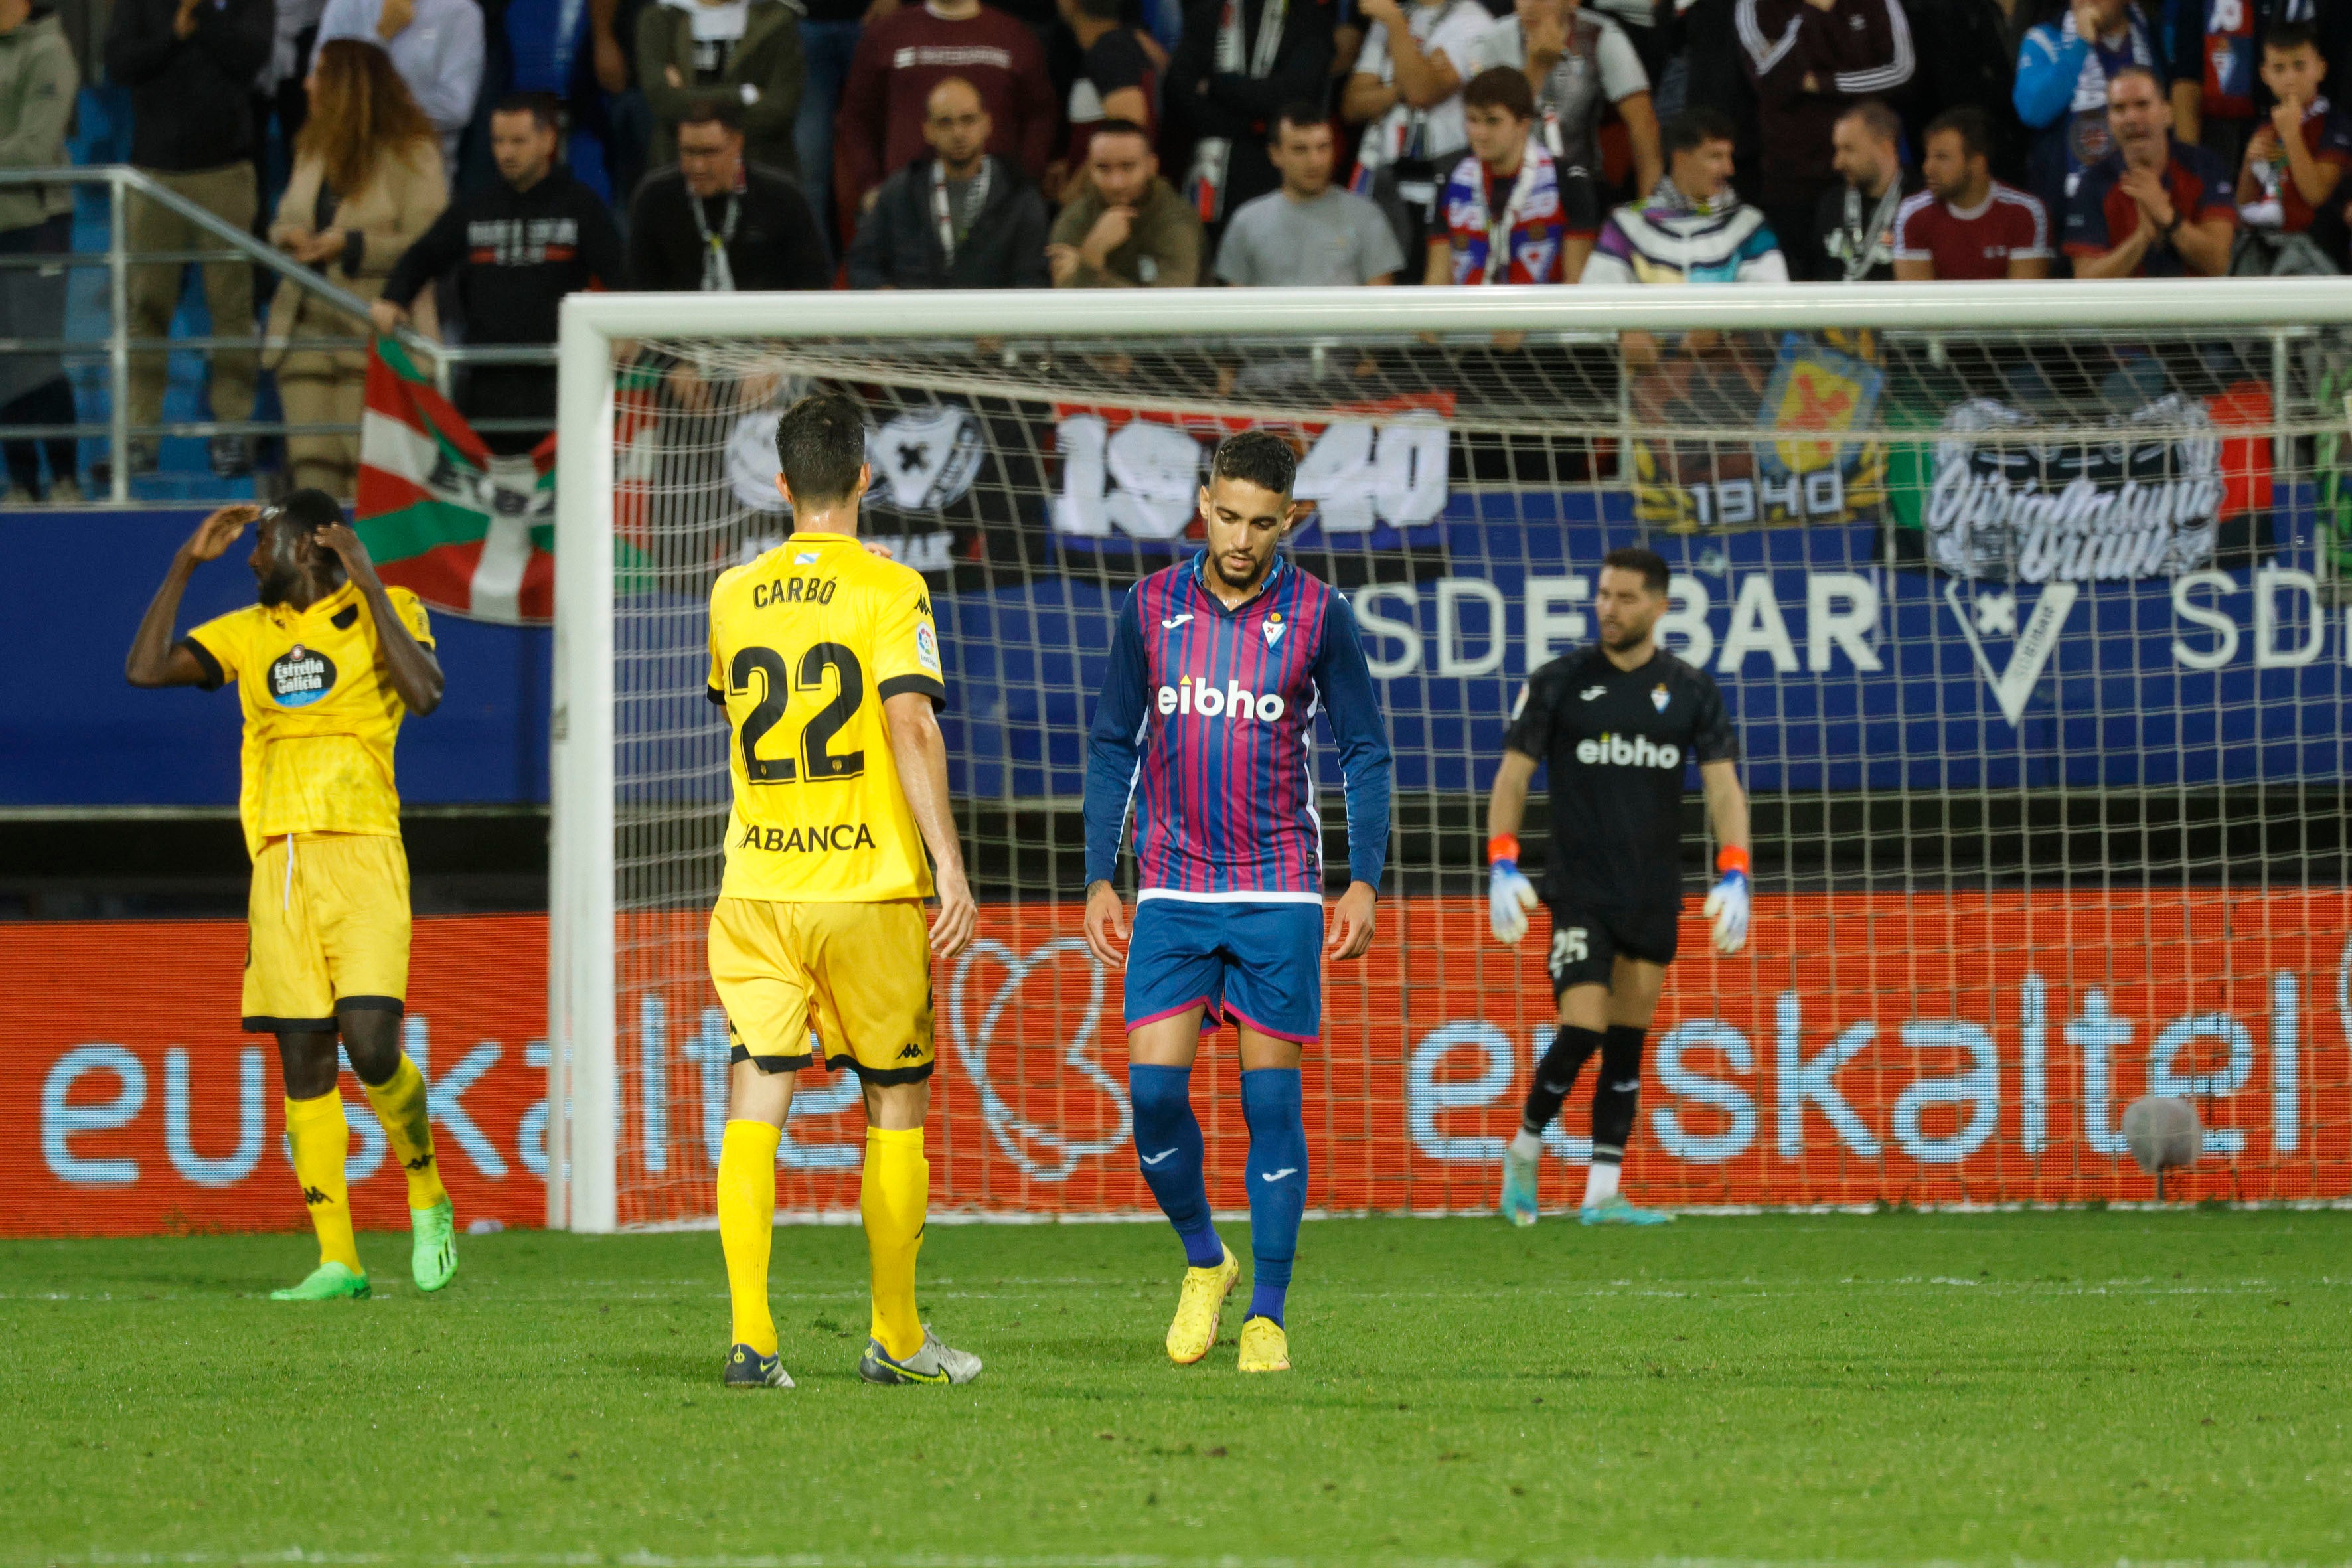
(1206, 731)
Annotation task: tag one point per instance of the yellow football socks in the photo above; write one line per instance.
(320, 1136)
(894, 1195)
(747, 1227)
(400, 1106)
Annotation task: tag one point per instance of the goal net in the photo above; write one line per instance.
(2027, 601)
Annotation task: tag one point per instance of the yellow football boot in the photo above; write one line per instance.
(1265, 1347)
(1200, 1309)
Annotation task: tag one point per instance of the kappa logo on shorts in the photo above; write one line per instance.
(300, 676)
(910, 1052)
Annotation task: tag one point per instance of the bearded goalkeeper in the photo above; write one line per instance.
(1617, 724)
(327, 663)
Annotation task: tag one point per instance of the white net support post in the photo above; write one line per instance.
(1940, 639)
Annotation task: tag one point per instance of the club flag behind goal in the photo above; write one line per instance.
(467, 532)
(2024, 600)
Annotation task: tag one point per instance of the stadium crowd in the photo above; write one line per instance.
(465, 165)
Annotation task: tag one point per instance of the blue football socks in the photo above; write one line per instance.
(1278, 1182)
(1168, 1148)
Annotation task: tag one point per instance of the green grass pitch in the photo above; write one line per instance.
(2051, 1387)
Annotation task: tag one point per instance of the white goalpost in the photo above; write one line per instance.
(2026, 597)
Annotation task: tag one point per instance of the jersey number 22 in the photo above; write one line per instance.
(815, 762)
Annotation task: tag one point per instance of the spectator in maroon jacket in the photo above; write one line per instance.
(1811, 61)
(904, 56)
(2155, 206)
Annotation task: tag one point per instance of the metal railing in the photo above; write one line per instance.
(116, 347)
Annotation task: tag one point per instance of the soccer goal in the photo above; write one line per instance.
(2029, 601)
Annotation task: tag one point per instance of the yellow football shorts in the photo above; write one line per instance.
(327, 924)
(860, 975)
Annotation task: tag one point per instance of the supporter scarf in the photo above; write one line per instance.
(975, 196)
(1669, 199)
(1521, 243)
(1213, 156)
(2091, 84)
(1882, 223)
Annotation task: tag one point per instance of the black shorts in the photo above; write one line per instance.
(1587, 939)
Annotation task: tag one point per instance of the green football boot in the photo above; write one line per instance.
(432, 1246)
(1614, 1210)
(327, 1283)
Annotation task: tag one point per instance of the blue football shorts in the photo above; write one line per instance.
(1258, 964)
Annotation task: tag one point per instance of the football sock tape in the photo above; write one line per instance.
(1278, 1182)
(319, 1135)
(747, 1227)
(1168, 1149)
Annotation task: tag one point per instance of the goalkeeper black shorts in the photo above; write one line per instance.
(1588, 937)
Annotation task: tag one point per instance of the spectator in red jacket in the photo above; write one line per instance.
(1811, 61)
(904, 56)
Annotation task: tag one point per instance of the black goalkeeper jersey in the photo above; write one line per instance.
(1617, 741)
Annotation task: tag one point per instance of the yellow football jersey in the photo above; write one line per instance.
(320, 713)
(806, 644)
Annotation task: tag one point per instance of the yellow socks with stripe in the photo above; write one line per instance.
(399, 1104)
(894, 1195)
(747, 1227)
(320, 1138)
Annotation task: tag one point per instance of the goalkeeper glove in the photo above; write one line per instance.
(1509, 896)
(1727, 906)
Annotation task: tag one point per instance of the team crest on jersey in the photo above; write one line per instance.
(1271, 628)
(1658, 698)
(302, 676)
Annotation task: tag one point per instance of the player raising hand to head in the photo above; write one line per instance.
(327, 663)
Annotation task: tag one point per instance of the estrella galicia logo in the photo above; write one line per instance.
(300, 676)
